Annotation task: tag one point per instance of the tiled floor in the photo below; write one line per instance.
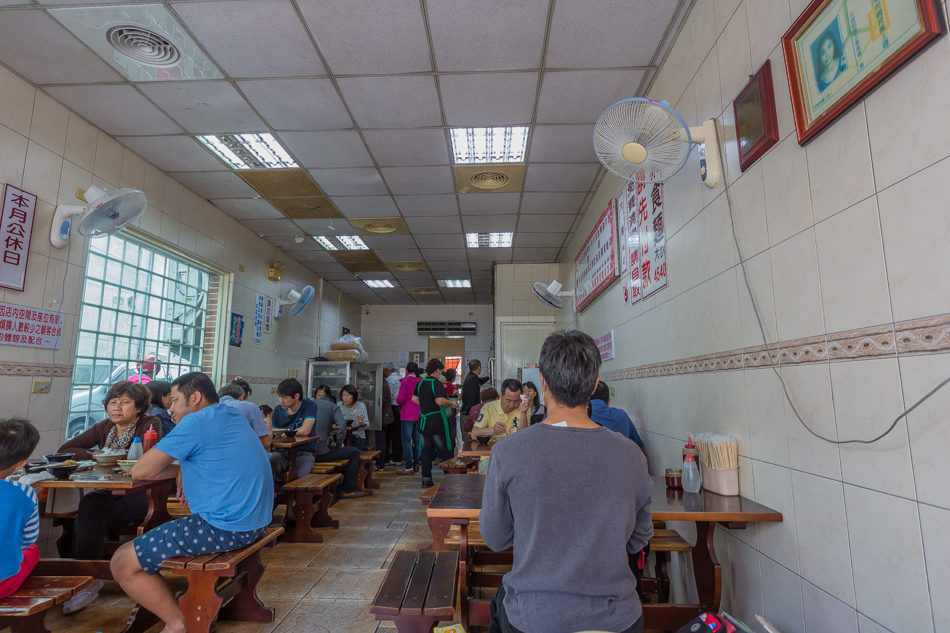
(320, 588)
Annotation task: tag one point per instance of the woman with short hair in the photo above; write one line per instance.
(354, 412)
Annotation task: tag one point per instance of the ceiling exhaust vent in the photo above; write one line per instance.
(142, 42)
(497, 178)
(143, 46)
(489, 180)
(464, 328)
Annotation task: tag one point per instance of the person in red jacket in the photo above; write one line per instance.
(409, 415)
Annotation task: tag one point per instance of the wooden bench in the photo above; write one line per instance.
(426, 496)
(459, 465)
(662, 543)
(364, 476)
(25, 609)
(308, 499)
(224, 583)
(419, 591)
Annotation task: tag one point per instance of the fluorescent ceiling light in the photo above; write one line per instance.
(489, 144)
(455, 283)
(378, 283)
(248, 151)
(491, 240)
(341, 242)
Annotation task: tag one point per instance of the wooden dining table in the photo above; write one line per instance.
(291, 444)
(118, 483)
(472, 448)
(459, 501)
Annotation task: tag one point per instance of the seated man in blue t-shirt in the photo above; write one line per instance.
(313, 418)
(225, 478)
(609, 417)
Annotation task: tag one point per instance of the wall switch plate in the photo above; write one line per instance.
(613, 391)
(41, 386)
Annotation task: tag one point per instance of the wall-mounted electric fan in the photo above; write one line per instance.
(648, 141)
(104, 214)
(296, 300)
(550, 294)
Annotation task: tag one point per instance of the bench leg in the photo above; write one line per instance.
(361, 475)
(201, 603)
(322, 517)
(370, 483)
(415, 626)
(26, 624)
(246, 606)
(140, 620)
(297, 522)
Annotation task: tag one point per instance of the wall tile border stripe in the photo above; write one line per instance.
(917, 336)
(43, 370)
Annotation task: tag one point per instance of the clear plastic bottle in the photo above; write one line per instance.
(691, 481)
(135, 451)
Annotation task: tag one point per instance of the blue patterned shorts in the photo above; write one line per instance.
(188, 536)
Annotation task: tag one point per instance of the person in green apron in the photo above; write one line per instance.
(433, 423)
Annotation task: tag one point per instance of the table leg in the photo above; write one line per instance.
(157, 507)
(464, 573)
(706, 566)
(440, 527)
(292, 468)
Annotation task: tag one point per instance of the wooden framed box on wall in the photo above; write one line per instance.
(756, 121)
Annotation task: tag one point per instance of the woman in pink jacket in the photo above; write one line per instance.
(409, 414)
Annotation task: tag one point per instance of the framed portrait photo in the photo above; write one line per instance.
(756, 121)
(839, 50)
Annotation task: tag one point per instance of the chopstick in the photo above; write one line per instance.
(719, 452)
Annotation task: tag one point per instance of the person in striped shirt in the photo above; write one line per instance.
(19, 512)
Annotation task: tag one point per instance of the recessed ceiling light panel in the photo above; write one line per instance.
(248, 151)
(455, 283)
(341, 242)
(490, 240)
(489, 144)
(143, 42)
(378, 283)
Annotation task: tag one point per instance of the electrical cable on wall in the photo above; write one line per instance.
(758, 317)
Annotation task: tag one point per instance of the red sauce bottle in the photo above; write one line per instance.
(151, 438)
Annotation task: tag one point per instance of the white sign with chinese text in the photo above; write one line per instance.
(596, 264)
(16, 227)
(258, 318)
(605, 343)
(623, 243)
(646, 239)
(403, 359)
(268, 314)
(20, 325)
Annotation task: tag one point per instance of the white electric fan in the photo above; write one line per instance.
(647, 141)
(104, 214)
(550, 295)
(296, 300)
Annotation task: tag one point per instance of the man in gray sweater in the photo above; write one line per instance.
(574, 499)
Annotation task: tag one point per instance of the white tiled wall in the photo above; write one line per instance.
(387, 330)
(847, 232)
(50, 151)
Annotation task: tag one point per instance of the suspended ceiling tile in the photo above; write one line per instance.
(173, 153)
(389, 242)
(253, 38)
(322, 227)
(555, 223)
(481, 271)
(562, 144)
(366, 206)
(415, 279)
(529, 237)
(311, 257)
(358, 257)
(371, 267)
(118, 110)
(552, 203)
(454, 297)
(455, 240)
(488, 34)
(560, 176)
(413, 266)
(448, 269)
(356, 181)
(393, 101)
(443, 253)
(369, 227)
(329, 268)
(489, 223)
(297, 104)
(310, 208)
(338, 276)
(490, 203)
(351, 286)
(248, 208)
(580, 96)
(445, 225)
(280, 183)
(431, 205)
(487, 299)
(11, 3)
(398, 254)
(214, 184)
(205, 107)
(289, 244)
(396, 296)
(535, 255)
(272, 228)
(39, 48)
(416, 180)
(337, 148)
(387, 37)
(501, 255)
(408, 147)
(628, 32)
(488, 100)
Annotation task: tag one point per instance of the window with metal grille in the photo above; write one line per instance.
(144, 311)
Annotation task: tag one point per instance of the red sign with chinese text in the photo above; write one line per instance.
(16, 228)
(596, 263)
(20, 325)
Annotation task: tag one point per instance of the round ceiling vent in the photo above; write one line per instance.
(379, 227)
(489, 180)
(143, 46)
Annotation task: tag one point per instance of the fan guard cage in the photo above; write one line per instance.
(119, 209)
(654, 125)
